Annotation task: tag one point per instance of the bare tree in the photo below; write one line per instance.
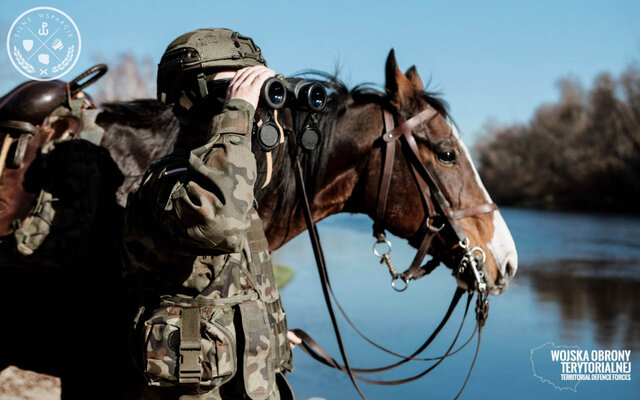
(128, 78)
(582, 152)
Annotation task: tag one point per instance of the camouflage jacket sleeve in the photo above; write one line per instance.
(208, 206)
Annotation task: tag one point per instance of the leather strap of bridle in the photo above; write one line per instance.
(473, 211)
(322, 271)
(407, 126)
(317, 352)
(415, 270)
(452, 305)
(440, 199)
(430, 192)
(390, 134)
(412, 357)
(327, 289)
(473, 363)
(385, 178)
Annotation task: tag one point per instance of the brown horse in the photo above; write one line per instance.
(342, 175)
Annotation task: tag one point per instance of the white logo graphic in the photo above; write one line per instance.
(564, 367)
(57, 44)
(43, 43)
(43, 31)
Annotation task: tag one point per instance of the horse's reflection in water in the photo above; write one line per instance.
(343, 175)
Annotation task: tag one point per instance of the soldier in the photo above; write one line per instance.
(212, 325)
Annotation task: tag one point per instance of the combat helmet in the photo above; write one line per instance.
(189, 58)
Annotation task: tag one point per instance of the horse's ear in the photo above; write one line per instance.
(416, 81)
(397, 84)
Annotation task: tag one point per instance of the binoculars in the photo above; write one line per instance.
(299, 93)
(278, 91)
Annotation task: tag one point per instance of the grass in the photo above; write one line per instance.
(283, 274)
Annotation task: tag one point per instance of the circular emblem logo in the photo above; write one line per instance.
(43, 43)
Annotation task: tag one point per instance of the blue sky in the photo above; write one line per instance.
(492, 60)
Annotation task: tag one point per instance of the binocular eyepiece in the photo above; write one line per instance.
(297, 92)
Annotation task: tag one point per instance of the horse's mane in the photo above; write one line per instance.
(315, 163)
(141, 131)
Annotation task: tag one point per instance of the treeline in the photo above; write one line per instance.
(582, 153)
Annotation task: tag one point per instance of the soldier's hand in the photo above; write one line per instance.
(293, 339)
(247, 82)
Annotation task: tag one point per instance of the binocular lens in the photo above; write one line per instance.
(274, 93)
(299, 93)
(317, 97)
(277, 93)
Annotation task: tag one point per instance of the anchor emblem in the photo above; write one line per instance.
(43, 31)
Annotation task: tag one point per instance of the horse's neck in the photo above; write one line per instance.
(346, 158)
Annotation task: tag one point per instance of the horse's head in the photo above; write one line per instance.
(450, 172)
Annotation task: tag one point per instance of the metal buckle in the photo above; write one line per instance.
(479, 275)
(482, 309)
(190, 363)
(469, 260)
(432, 228)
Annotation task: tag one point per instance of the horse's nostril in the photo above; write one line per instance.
(509, 270)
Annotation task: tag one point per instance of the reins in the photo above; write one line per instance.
(436, 206)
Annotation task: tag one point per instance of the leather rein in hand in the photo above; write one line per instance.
(436, 206)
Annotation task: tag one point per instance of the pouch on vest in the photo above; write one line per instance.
(190, 346)
(258, 362)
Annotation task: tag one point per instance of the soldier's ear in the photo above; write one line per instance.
(397, 85)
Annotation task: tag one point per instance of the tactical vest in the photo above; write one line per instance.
(191, 340)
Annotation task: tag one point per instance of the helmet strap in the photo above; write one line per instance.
(202, 85)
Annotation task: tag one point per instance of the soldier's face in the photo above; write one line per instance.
(228, 74)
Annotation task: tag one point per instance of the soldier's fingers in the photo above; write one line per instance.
(259, 79)
(239, 74)
(248, 77)
(242, 77)
(293, 339)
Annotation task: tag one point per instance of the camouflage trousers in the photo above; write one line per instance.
(232, 390)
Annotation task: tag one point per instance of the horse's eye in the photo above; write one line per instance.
(446, 157)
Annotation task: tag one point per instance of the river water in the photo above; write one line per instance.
(578, 284)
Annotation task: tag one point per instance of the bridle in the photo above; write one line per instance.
(436, 207)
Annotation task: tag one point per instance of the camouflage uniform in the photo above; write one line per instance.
(194, 239)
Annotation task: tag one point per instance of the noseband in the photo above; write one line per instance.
(435, 205)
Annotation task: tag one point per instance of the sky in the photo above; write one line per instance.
(491, 60)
